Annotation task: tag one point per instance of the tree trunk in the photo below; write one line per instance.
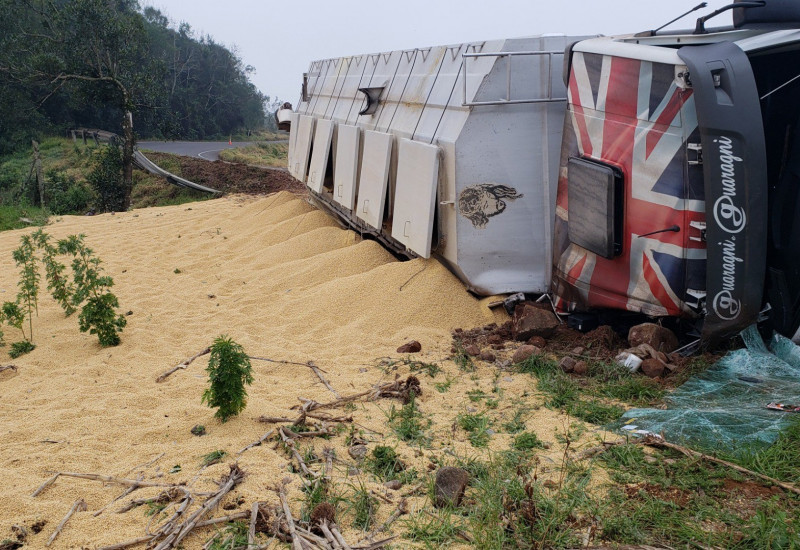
(127, 158)
(37, 162)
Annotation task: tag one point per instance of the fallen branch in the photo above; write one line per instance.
(251, 532)
(402, 508)
(45, 485)
(79, 505)
(126, 544)
(224, 519)
(296, 544)
(658, 441)
(257, 443)
(290, 444)
(185, 363)
(113, 479)
(8, 367)
(235, 477)
(146, 464)
(127, 491)
(322, 378)
(375, 545)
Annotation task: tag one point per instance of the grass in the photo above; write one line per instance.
(433, 530)
(232, 536)
(462, 359)
(409, 423)
(212, 458)
(384, 463)
(11, 216)
(362, 506)
(476, 426)
(527, 441)
(259, 154)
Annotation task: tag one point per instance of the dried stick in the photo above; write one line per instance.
(121, 545)
(296, 544)
(259, 442)
(182, 365)
(146, 464)
(79, 505)
(8, 367)
(323, 526)
(119, 480)
(375, 545)
(234, 478)
(224, 519)
(658, 441)
(324, 381)
(338, 536)
(289, 443)
(251, 532)
(45, 485)
(402, 508)
(127, 491)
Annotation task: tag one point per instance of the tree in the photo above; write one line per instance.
(96, 43)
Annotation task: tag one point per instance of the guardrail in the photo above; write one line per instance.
(140, 160)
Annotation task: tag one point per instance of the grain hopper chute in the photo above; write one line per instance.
(450, 151)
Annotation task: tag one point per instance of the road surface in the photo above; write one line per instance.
(207, 150)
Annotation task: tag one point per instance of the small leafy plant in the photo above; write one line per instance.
(229, 371)
(97, 315)
(57, 282)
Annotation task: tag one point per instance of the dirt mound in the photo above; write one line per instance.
(232, 178)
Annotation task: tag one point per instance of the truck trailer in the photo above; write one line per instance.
(655, 173)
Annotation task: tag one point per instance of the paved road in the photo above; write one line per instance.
(207, 150)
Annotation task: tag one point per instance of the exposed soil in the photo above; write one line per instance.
(233, 178)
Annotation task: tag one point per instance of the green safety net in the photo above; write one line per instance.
(726, 406)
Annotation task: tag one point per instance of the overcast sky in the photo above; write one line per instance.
(280, 39)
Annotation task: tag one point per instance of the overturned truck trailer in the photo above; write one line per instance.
(450, 151)
(661, 176)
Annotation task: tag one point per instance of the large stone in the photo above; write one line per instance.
(488, 356)
(472, 350)
(580, 368)
(652, 368)
(660, 338)
(450, 485)
(524, 352)
(530, 321)
(358, 452)
(410, 347)
(567, 364)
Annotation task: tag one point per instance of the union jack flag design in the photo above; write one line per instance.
(638, 117)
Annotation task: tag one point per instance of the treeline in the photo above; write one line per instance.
(72, 63)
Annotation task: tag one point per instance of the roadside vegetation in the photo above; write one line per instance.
(76, 183)
(260, 154)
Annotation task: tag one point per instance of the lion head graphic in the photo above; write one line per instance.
(480, 202)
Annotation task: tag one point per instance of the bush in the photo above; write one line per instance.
(64, 195)
(106, 179)
(228, 371)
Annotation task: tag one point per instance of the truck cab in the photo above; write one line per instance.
(679, 174)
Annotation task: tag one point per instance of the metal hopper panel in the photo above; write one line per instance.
(374, 178)
(319, 157)
(415, 197)
(345, 167)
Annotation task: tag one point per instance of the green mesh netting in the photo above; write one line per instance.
(726, 405)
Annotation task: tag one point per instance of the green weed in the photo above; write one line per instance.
(527, 441)
(408, 423)
(384, 463)
(229, 371)
(476, 426)
(212, 458)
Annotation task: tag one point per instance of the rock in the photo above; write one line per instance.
(652, 368)
(488, 356)
(529, 321)
(353, 471)
(498, 346)
(537, 341)
(567, 364)
(472, 350)
(495, 339)
(410, 347)
(394, 484)
(580, 368)
(577, 351)
(198, 430)
(524, 352)
(357, 452)
(450, 485)
(660, 338)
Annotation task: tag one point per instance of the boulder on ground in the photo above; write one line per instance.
(537, 341)
(529, 321)
(580, 368)
(567, 364)
(653, 368)
(450, 485)
(472, 350)
(488, 356)
(660, 338)
(524, 352)
(410, 347)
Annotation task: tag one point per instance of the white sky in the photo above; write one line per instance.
(280, 39)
